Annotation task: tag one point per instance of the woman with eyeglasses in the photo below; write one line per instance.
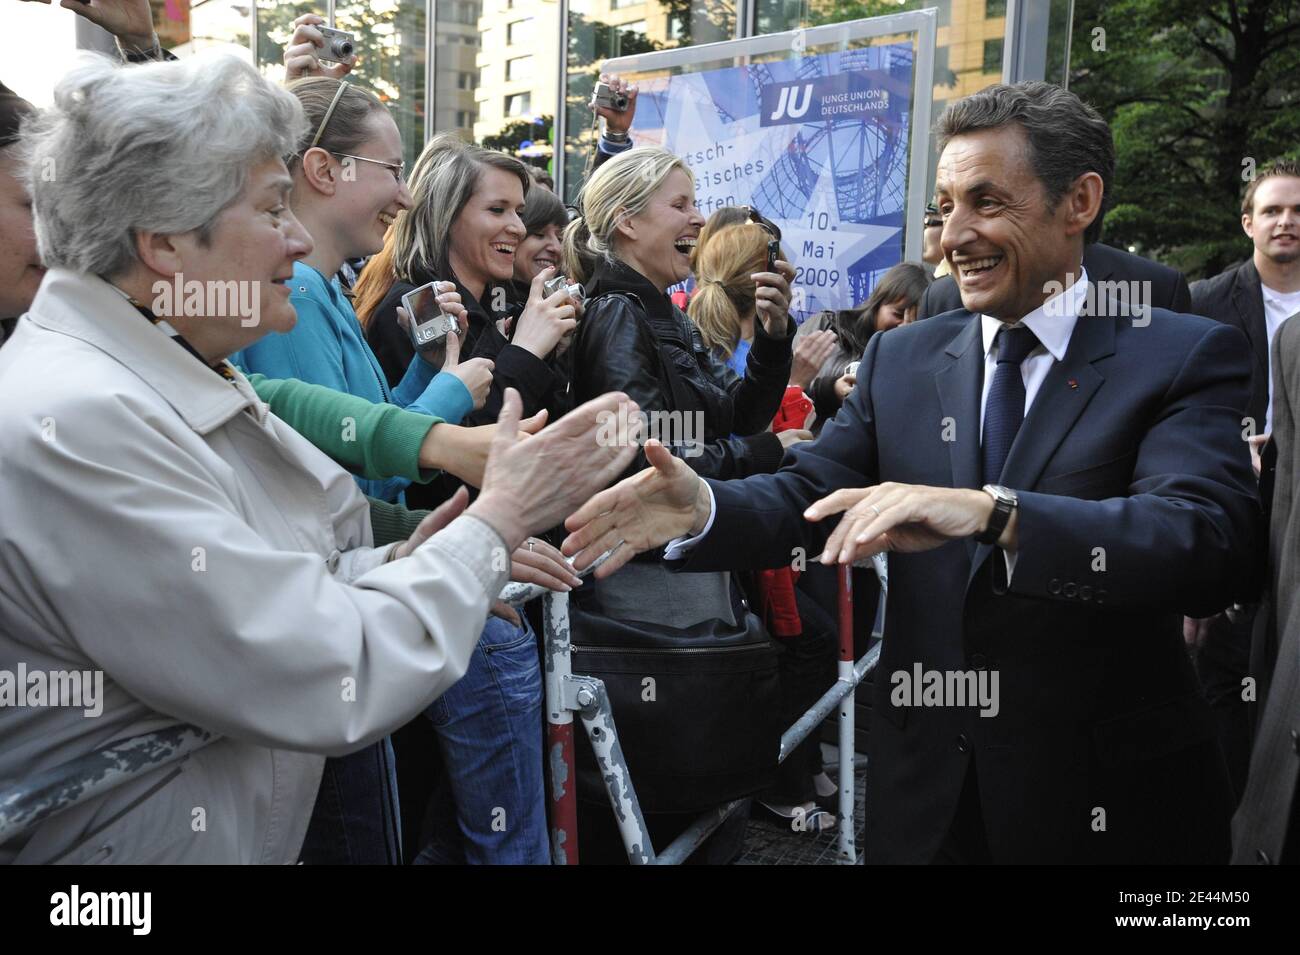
(348, 188)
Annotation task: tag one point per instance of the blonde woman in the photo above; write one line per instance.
(640, 224)
(465, 224)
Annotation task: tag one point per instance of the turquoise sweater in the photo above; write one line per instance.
(327, 347)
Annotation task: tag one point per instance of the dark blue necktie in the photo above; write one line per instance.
(1005, 409)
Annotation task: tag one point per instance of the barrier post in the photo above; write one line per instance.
(560, 761)
(847, 850)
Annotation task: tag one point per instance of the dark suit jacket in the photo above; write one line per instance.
(1269, 814)
(1104, 264)
(1235, 298)
(1137, 505)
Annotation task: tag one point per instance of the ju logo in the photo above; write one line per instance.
(789, 105)
(854, 96)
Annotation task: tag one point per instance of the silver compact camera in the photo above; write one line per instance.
(430, 325)
(338, 46)
(561, 284)
(609, 98)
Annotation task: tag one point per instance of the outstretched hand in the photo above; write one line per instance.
(665, 501)
(531, 484)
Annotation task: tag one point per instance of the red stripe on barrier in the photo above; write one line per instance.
(846, 613)
(563, 792)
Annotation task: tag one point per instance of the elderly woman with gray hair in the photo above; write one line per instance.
(173, 536)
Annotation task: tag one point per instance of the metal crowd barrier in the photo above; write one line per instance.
(61, 787)
(568, 693)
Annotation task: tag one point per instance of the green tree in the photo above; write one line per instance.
(1198, 94)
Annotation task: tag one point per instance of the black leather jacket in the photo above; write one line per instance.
(633, 339)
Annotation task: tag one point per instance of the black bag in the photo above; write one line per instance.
(697, 710)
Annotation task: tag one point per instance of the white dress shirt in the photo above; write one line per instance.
(1052, 323)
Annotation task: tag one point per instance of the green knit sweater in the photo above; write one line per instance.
(374, 440)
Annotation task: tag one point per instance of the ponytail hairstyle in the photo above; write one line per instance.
(724, 289)
(719, 220)
(617, 191)
(578, 260)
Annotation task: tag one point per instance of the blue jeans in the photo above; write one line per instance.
(355, 820)
(489, 727)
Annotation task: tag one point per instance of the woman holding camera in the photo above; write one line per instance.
(465, 225)
(348, 189)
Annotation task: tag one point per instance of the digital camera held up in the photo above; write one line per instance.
(430, 325)
(338, 46)
(609, 98)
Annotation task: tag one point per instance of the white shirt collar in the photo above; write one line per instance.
(1052, 322)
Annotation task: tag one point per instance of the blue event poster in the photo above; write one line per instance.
(818, 144)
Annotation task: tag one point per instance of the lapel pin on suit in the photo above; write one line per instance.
(1073, 383)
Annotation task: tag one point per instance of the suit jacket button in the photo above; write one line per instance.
(980, 662)
(1262, 858)
(963, 743)
(1053, 586)
(1295, 741)
(1085, 592)
(1070, 588)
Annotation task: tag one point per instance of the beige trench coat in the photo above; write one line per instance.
(159, 526)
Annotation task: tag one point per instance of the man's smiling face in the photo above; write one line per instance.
(1001, 237)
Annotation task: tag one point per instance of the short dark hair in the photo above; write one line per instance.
(1278, 167)
(1067, 137)
(543, 208)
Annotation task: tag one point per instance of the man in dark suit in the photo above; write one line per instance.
(1057, 482)
(1166, 287)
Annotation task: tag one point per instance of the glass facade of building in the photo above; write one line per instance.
(495, 70)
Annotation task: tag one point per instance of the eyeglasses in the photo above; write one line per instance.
(397, 169)
(759, 219)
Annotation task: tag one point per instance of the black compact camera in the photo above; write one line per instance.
(608, 97)
(773, 253)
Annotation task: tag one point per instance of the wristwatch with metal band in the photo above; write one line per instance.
(1004, 502)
